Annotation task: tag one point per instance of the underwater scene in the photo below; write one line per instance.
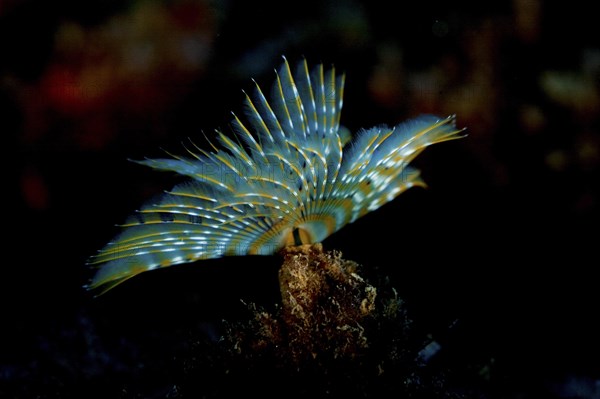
(338, 198)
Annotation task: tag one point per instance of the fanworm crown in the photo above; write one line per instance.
(288, 176)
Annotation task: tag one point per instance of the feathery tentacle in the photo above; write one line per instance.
(290, 175)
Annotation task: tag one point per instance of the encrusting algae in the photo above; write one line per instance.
(333, 334)
(324, 304)
(322, 295)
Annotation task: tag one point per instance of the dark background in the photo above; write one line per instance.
(496, 259)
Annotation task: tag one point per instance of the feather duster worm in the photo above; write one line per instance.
(288, 176)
